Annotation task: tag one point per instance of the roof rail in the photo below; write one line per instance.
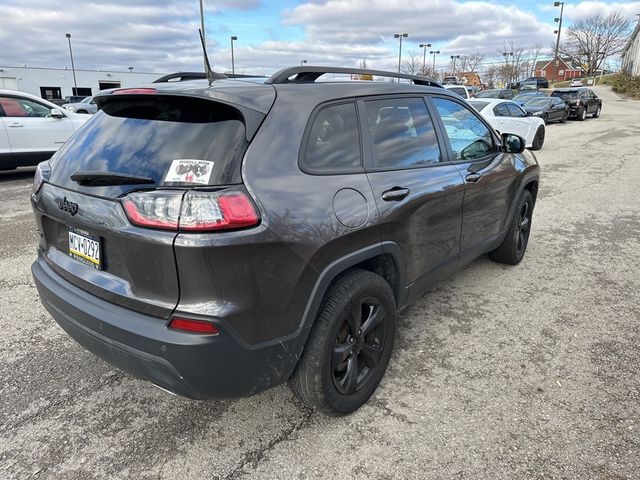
(310, 74)
(184, 76)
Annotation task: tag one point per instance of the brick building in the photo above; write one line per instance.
(557, 70)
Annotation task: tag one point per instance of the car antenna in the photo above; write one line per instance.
(209, 72)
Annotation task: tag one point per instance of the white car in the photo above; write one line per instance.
(87, 105)
(464, 92)
(576, 82)
(32, 129)
(508, 117)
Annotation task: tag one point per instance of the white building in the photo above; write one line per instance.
(631, 53)
(58, 83)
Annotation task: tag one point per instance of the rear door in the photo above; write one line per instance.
(31, 129)
(418, 195)
(489, 175)
(177, 144)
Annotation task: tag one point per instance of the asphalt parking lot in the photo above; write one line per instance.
(499, 372)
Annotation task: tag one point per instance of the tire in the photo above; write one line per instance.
(596, 114)
(538, 140)
(513, 247)
(565, 117)
(340, 368)
(582, 114)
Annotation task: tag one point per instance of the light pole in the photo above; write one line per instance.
(424, 56)
(73, 68)
(434, 53)
(453, 58)
(506, 58)
(130, 69)
(302, 62)
(400, 36)
(204, 39)
(556, 62)
(233, 63)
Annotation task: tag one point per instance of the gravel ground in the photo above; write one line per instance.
(499, 372)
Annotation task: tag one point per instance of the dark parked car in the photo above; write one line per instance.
(524, 97)
(550, 109)
(504, 93)
(541, 82)
(221, 239)
(582, 101)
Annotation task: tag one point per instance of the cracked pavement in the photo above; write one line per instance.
(499, 372)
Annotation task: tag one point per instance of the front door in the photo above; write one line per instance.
(488, 174)
(418, 195)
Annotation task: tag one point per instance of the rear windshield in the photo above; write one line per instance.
(566, 94)
(488, 94)
(172, 140)
(479, 106)
(459, 90)
(539, 102)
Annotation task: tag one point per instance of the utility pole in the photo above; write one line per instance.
(556, 60)
(73, 68)
(400, 36)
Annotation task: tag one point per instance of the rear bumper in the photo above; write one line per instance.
(190, 365)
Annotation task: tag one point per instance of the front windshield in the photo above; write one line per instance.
(539, 102)
(86, 100)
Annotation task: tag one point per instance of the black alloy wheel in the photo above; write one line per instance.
(350, 345)
(523, 227)
(358, 346)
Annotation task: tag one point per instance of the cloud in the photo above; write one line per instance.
(578, 11)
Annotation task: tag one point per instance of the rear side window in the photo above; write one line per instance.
(173, 140)
(500, 110)
(565, 95)
(402, 133)
(515, 111)
(333, 142)
(459, 91)
(470, 138)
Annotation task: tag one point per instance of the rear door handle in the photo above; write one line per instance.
(473, 177)
(15, 124)
(395, 194)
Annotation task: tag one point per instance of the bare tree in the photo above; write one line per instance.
(516, 62)
(592, 39)
(411, 63)
(469, 63)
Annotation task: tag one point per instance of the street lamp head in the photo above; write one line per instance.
(557, 19)
(557, 4)
(425, 45)
(234, 37)
(68, 35)
(555, 31)
(398, 35)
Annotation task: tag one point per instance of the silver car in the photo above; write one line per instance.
(85, 106)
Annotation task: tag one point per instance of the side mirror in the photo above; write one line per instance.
(512, 143)
(56, 113)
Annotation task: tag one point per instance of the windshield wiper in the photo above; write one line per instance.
(101, 179)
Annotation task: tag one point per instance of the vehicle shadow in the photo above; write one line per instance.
(17, 175)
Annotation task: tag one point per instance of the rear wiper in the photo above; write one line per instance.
(101, 179)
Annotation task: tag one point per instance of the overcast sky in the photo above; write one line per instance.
(161, 35)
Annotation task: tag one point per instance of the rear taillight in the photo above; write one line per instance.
(194, 326)
(196, 212)
(43, 170)
(157, 209)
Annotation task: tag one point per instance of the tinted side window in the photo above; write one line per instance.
(333, 145)
(500, 110)
(402, 133)
(514, 111)
(469, 137)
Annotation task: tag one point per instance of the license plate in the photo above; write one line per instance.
(84, 247)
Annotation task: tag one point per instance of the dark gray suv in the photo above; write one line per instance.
(220, 239)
